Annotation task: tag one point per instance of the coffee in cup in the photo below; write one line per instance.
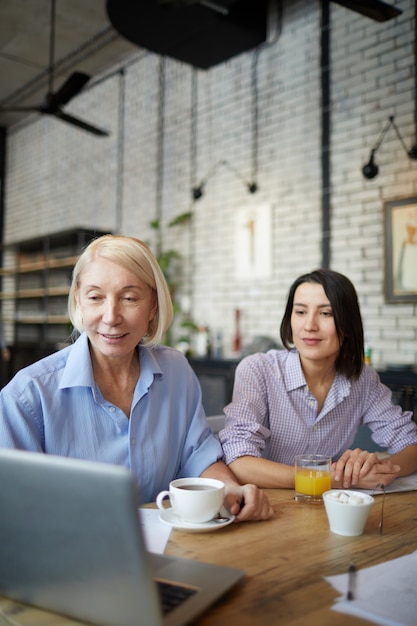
(194, 500)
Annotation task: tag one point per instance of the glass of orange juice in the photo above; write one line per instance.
(312, 477)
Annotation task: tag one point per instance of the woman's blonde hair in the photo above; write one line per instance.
(135, 256)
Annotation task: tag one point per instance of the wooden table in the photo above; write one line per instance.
(285, 560)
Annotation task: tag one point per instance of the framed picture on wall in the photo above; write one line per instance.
(253, 241)
(401, 250)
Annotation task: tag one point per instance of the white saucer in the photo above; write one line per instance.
(169, 517)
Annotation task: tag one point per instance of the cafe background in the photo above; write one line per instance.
(243, 175)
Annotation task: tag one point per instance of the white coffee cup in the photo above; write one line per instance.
(347, 511)
(194, 500)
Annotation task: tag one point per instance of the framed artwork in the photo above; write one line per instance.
(401, 250)
(253, 242)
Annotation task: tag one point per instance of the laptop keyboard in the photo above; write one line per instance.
(172, 595)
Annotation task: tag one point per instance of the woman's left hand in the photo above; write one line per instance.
(359, 468)
(247, 502)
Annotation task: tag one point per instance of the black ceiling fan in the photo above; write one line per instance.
(54, 101)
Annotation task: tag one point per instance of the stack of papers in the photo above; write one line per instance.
(156, 534)
(384, 594)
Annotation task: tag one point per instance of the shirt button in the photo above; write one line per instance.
(133, 442)
(112, 409)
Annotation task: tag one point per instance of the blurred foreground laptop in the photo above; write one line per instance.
(71, 542)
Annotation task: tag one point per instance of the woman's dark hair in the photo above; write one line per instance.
(347, 318)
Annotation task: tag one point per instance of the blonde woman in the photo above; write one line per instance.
(116, 395)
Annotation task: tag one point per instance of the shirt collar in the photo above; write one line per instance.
(149, 368)
(78, 370)
(294, 376)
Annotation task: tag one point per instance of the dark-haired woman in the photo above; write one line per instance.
(313, 396)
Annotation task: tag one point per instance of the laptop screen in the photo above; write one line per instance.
(71, 542)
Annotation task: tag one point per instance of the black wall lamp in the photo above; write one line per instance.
(198, 191)
(370, 170)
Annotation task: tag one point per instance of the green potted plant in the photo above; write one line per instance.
(169, 261)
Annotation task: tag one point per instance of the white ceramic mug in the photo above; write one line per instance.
(194, 500)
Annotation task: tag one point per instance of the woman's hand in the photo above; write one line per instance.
(359, 468)
(247, 502)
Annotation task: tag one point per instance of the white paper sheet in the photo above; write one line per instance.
(156, 533)
(404, 483)
(385, 594)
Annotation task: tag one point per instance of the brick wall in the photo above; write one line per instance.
(171, 125)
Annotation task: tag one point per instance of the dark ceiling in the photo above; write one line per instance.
(92, 36)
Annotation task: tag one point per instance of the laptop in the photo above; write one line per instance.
(71, 542)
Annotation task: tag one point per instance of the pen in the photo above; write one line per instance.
(351, 581)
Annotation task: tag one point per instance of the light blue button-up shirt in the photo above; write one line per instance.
(274, 415)
(55, 406)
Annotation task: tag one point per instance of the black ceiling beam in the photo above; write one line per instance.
(375, 9)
